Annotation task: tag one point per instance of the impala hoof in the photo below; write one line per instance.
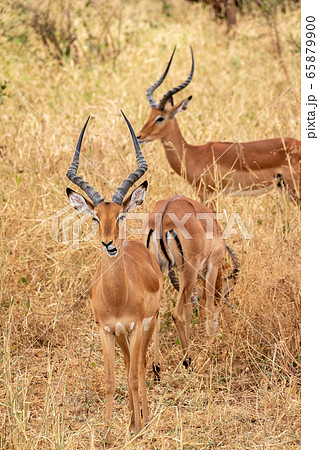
(107, 442)
(187, 362)
(156, 370)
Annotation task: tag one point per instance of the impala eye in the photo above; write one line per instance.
(95, 219)
(159, 119)
(121, 217)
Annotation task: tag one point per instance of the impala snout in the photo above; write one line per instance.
(111, 250)
(147, 135)
(141, 140)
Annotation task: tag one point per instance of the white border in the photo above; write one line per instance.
(310, 245)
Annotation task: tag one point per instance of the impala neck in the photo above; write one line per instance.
(113, 271)
(175, 146)
(112, 264)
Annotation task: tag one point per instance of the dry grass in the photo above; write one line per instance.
(244, 388)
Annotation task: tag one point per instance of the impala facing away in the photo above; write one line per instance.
(126, 288)
(231, 167)
(184, 235)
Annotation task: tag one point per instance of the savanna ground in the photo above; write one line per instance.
(243, 391)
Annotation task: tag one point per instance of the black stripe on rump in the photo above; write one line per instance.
(178, 242)
(163, 248)
(149, 238)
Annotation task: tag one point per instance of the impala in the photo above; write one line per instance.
(127, 285)
(231, 167)
(184, 235)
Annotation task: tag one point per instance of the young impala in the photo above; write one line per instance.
(127, 285)
(231, 167)
(184, 235)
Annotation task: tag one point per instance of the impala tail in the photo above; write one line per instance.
(163, 244)
(228, 286)
(234, 275)
(163, 237)
(164, 254)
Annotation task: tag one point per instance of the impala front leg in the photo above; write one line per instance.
(107, 340)
(133, 378)
(122, 341)
(148, 329)
(156, 363)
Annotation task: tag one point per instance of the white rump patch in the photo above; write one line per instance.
(209, 269)
(169, 238)
(147, 323)
(202, 265)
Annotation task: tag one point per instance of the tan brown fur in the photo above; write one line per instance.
(202, 255)
(240, 166)
(126, 290)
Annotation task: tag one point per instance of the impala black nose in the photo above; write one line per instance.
(112, 251)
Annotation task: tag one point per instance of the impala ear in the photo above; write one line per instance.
(80, 203)
(136, 198)
(180, 107)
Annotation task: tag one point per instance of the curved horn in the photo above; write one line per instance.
(173, 91)
(78, 181)
(121, 191)
(151, 89)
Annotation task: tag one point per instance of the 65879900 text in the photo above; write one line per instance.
(310, 57)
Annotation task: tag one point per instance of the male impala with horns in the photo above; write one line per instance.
(248, 168)
(126, 288)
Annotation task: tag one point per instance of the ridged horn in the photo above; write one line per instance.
(72, 175)
(169, 94)
(151, 89)
(121, 191)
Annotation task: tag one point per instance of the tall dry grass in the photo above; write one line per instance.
(244, 387)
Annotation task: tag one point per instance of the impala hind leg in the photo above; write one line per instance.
(202, 305)
(107, 341)
(182, 312)
(213, 285)
(289, 184)
(293, 189)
